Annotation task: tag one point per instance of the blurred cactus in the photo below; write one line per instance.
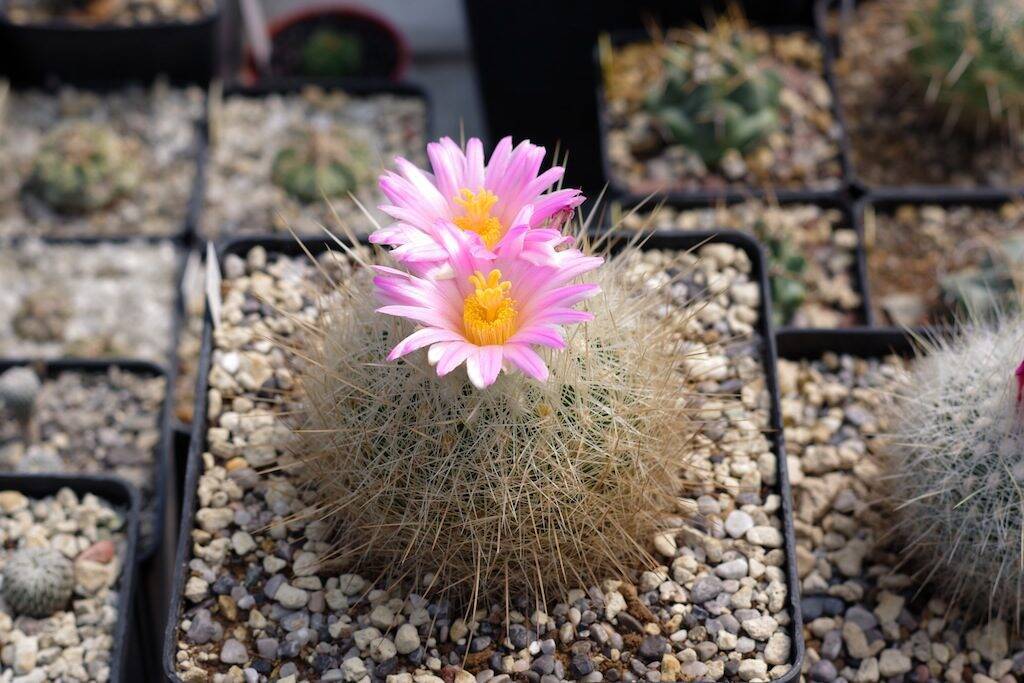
(969, 55)
(330, 52)
(992, 287)
(37, 581)
(82, 166)
(321, 163)
(786, 273)
(714, 94)
(42, 315)
(19, 387)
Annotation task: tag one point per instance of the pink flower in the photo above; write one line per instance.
(485, 201)
(492, 312)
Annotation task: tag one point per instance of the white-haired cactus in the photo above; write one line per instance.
(19, 387)
(956, 465)
(37, 581)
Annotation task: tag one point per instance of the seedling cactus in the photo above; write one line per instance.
(330, 52)
(321, 163)
(37, 581)
(955, 467)
(82, 166)
(969, 56)
(19, 387)
(715, 95)
(786, 273)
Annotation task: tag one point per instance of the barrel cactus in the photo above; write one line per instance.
(953, 454)
(715, 94)
(83, 166)
(37, 581)
(330, 52)
(969, 57)
(320, 163)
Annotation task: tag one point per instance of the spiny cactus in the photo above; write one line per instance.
(715, 95)
(19, 387)
(527, 486)
(37, 581)
(955, 467)
(969, 56)
(330, 52)
(321, 163)
(992, 287)
(83, 166)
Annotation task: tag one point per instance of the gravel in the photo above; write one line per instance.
(93, 423)
(162, 122)
(332, 624)
(241, 198)
(128, 13)
(87, 300)
(866, 618)
(803, 154)
(822, 236)
(74, 644)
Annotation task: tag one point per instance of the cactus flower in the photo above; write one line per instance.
(1019, 372)
(493, 310)
(483, 200)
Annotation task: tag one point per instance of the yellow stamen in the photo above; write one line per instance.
(478, 218)
(489, 315)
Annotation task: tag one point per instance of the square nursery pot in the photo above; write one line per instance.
(124, 498)
(857, 271)
(887, 204)
(34, 54)
(287, 86)
(671, 241)
(833, 35)
(682, 197)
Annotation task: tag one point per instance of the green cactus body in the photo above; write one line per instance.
(331, 52)
(81, 167)
(37, 581)
(786, 273)
(19, 387)
(715, 95)
(320, 164)
(969, 57)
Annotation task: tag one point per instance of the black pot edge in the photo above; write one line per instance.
(663, 240)
(887, 201)
(120, 493)
(272, 86)
(851, 221)
(861, 186)
(699, 197)
(162, 474)
(872, 342)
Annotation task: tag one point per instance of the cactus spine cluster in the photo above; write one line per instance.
(969, 55)
(330, 52)
(83, 166)
(37, 581)
(320, 163)
(715, 94)
(956, 469)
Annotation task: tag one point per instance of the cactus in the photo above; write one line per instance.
(714, 94)
(42, 315)
(330, 52)
(81, 167)
(559, 483)
(969, 58)
(37, 581)
(320, 163)
(990, 288)
(786, 274)
(954, 465)
(19, 387)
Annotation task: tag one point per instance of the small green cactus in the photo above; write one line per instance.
(321, 163)
(19, 387)
(786, 273)
(969, 57)
(82, 166)
(331, 52)
(715, 95)
(37, 581)
(992, 287)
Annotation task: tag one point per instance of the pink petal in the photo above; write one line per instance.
(527, 360)
(484, 365)
(421, 338)
(454, 355)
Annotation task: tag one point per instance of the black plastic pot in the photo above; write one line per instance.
(35, 54)
(676, 241)
(698, 197)
(359, 87)
(888, 202)
(123, 496)
(859, 274)
(911, 193)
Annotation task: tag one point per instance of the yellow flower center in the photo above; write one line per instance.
(478, 218)
(489, 315)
